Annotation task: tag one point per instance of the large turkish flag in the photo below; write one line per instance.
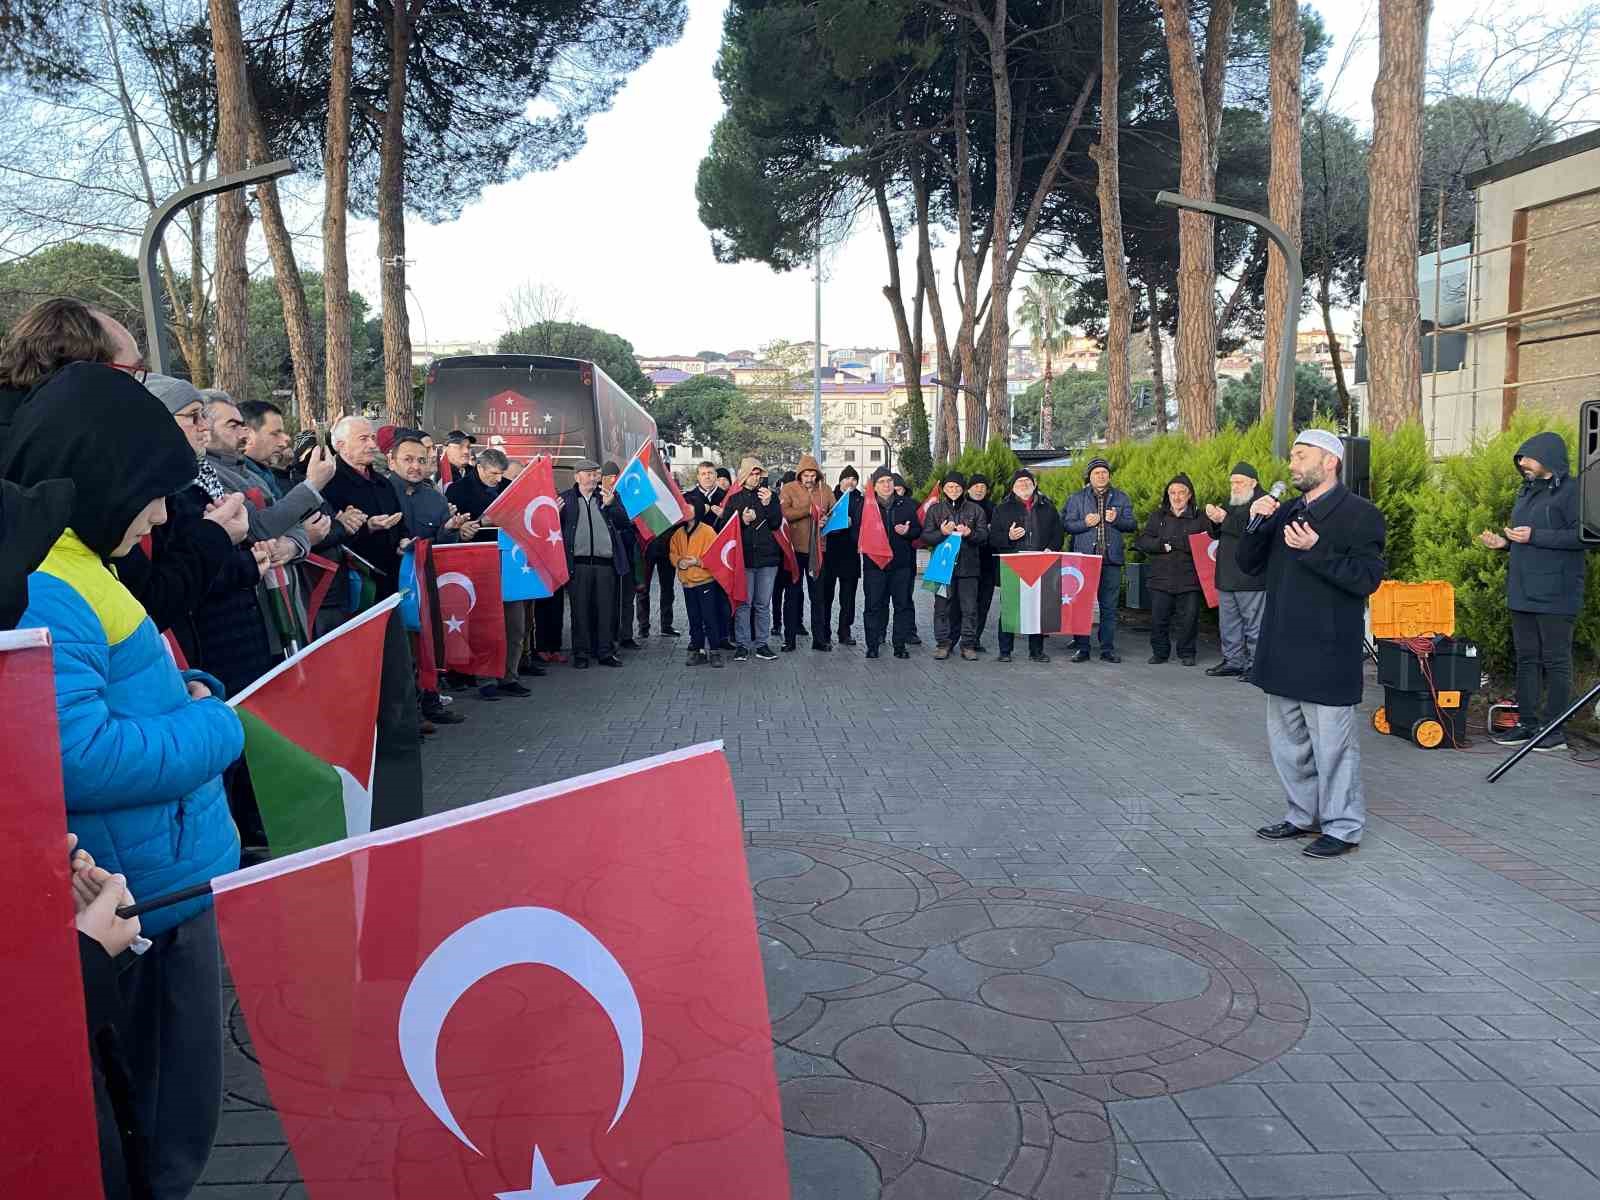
(530, 514)
(468, 580)
(725, 560)
(557, 989)
(1080, 586)
(48, 1144)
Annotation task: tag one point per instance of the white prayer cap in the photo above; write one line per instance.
(1322, 439)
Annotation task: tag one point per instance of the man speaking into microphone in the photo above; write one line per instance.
(1322, 555)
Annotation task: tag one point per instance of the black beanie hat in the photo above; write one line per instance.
(1244, 468)
(1093, 463)
(977, 479)
(1020, 473)
(954, 477)
(610, 468)
(884, 473)
(851, 472)
(96, 426)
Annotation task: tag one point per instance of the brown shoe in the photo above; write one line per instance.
(942, 652)
(968, 653)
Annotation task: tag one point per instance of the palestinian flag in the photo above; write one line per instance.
(279, 601)
(362, 577)
(1030, 592)
(311, 735)
(650, 495)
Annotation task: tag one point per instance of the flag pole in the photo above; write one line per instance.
(129, 911)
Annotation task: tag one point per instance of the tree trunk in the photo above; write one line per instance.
(1000, 238)
(391, 224)
(1106, 152)
(1325, 302)
(1283, 186)
(967, 263)
(1196, 349)
(1047, 403)
(894, 294)
(1392, 316)
(1158, 370)
(200, 364)
(947, 437)
(291, 289)
(232, 278)
(335, 219)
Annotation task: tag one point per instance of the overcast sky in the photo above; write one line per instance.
(634, 258)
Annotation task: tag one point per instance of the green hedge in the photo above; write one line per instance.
(1433, 510)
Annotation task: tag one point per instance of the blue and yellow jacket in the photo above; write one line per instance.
(141, 762)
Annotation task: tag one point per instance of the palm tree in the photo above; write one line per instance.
(1044, 304)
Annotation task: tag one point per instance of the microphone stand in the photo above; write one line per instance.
(1526, 747)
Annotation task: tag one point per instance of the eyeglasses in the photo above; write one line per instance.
(195, 418)
(139, 370)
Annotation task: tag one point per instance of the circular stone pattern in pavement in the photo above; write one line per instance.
(935, 1039)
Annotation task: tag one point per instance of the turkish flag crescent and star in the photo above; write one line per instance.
(48, 1145)
(1080, 586)
(468, 578)
(531, 517)
(558, 995)
(725, 560)
(1204, 548)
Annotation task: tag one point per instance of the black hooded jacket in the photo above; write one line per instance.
(31, 519)
(1172, 570)
(96, 426)
(1545, 574)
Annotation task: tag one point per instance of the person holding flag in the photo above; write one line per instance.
(801, 502)
(1241, 598)
(755, 506)
(622, 609)
(841, 555)
(689, 548)
(888, 539)
(592, 528)
(1024, 521)
(1097, 519)
(955, 616)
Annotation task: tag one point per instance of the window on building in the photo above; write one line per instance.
(849, 456)
(697, 451)
(877, 410)
(797, 408)
(824, 457)
(850, 412)
(877, 430)
(875, 456)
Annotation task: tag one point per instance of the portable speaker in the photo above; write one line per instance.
(1357, 472)
(1133, 577)
(1589, 480)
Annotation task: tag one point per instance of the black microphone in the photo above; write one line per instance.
(1276, 492)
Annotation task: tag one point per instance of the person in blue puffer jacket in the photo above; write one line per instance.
(142, 746)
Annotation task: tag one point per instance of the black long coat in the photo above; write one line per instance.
(1312, 631)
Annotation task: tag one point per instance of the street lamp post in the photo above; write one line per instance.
(888, 451)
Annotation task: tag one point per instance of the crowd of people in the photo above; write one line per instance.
(172, 542)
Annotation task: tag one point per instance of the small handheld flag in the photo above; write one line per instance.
(1204, 549)
(942, 565)
(724, 558)
(649, 495)
(529, 512)
(874, 538)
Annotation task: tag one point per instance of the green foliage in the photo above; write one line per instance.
(270, 366)
(996, 460)
(1402, 482)
(1077, 409)
(95, 274)
(1240, 402)
(1469, 493)
(693, 406)
(568, 339)
(763, 427)
(915, 457)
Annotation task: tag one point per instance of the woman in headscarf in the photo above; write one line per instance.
(143, 746)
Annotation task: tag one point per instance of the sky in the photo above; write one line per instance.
(633, 258)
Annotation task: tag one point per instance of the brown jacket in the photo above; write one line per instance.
(798, 502)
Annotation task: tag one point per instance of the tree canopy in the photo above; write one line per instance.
(695, 406)
(1239, 404)
(570, 339)
(761, 426)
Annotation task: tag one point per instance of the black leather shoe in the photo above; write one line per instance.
(901, 652)
(913, 640)
(1110, 658)
(846, 640)
(1328, 846)
(610, 660)
(825, 647)
(788, 647)
(580, 662)
(1041, 657)
(872, 652)
(1080, 656)
(513, 688)
(1004, 657)
(1156, 660)
(531, 669)
(1188, 662)
(668, 632)
(1222, 669)
(627, 644)
(1283, 830)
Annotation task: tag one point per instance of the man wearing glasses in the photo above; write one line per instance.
(52, 334)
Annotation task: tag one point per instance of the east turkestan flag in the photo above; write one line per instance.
(310, 735)
(942, 564)
(552, 995)
(1030, 592)
(650, 495)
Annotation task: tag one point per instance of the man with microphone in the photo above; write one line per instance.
(1322, 556)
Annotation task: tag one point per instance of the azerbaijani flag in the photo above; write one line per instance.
(310, 735)
(1030, 592)
(650, 495)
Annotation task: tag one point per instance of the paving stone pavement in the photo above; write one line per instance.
(1021, 941)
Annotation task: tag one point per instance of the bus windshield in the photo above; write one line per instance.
(523, 410)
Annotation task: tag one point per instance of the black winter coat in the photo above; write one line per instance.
(1229, 577)
(374, 495)
(841, 554)
(1172, 570)
(186, 556)
(760, 547)
(1546, 574)
(988, 570)
(1313, 626)
(963, 512)
(901, 510)
(471, 495)
(1041, 526)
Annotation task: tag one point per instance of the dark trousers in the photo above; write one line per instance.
(794, 603)
(979, 597)
(549, 615)
(882, 588)
(593, 589)
(665, 577)
(846, 586)
(706, 630)
(1109, 595)
(780, 598)
(724, 615)
(1035, 643)
(172, 995)
(955, 617)
(1174, 618)
(1544, 663)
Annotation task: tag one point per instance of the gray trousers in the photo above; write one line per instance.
(1239, 616)
(1317, 751)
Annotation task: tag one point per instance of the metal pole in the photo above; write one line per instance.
(155, 315)
(1291, 316)
(816, 377)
